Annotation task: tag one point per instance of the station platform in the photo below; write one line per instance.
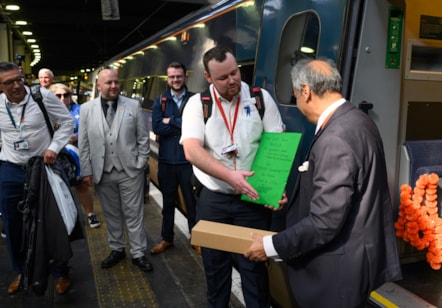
(177, 279)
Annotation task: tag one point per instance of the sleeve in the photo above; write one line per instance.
(272, 120)
(142, 137)
(158, 126)
(193, 125)
(83, 141)
(58, 113)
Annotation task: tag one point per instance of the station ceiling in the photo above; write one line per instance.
(77, 34)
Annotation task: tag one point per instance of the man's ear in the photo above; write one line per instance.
(207, 76)
(306, 92)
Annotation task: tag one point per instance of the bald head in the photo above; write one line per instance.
(108, 85)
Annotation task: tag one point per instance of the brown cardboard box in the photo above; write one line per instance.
(223, 236)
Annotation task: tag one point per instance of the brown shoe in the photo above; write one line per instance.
(62, 284)
(197, 249)
(160, 247)
(14, 287)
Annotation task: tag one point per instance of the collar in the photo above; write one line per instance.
(104, 101)
(327, 112)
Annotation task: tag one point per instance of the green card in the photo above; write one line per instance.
(272, 165)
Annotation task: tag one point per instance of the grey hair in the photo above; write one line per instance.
(319, 81)
(45, 70)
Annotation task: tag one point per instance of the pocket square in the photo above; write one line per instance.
(303, 167)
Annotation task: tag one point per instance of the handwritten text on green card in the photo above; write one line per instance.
(272, 165)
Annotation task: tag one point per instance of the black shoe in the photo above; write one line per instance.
(143, 264)
(114, 257)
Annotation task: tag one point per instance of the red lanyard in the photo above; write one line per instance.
(231, 129)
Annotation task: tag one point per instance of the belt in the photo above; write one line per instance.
(16, 166)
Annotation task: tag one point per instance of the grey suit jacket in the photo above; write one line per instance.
(129, 132)
(340, 242)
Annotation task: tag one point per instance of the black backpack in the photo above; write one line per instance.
(255, 92)
(65, 158)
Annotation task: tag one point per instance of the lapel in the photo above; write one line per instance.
(336, 114)
(121, 111)
(98, 116)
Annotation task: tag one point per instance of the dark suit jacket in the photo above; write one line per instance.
(340, 242)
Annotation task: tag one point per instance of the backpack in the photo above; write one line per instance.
(68, 156)
(255, 92)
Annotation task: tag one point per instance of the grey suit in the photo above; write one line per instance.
(340, 242)
(119, 190)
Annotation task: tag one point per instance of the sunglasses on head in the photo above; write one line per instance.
(64, 95)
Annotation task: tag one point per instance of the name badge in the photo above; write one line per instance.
(230, 151)
(21, 145)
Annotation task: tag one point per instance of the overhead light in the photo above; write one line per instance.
(27, 33)
(31, 40)
(35, 46)
(306, 49)
(21, 23)
(12, 7)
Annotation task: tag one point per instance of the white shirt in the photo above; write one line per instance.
(34, 129)
(216, 136)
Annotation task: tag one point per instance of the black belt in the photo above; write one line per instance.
(16, 166)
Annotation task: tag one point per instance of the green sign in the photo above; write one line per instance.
(272, 165)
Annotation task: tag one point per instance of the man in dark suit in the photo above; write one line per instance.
(113, 140)
(340, 242)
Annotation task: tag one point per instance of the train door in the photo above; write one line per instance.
(376, 78)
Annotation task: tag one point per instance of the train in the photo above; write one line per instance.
(389, 53)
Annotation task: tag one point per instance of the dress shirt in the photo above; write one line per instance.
(34, 129)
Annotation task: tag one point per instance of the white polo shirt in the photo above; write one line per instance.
(216, 136)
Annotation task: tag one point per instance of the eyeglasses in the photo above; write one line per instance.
(64, 95)
(11, 81)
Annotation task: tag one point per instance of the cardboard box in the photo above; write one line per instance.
(223, 236)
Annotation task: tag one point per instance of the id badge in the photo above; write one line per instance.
(229, 149)
(21, 145)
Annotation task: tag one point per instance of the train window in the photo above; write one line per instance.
(299, 39)
(153, 86)
(424, 60)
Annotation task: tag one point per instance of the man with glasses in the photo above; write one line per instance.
(173, 168)
(24, 134)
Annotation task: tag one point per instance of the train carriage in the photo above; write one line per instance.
(388, 52)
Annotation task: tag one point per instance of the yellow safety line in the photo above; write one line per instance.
(382, 300)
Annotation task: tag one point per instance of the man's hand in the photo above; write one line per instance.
(49, 157)
(88, 179)
(256, 251)
(238, 180)
(281, 202)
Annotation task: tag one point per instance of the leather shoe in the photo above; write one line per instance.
(62, 284)
(160, 247)
(114, 257)
(143, 264)
(14, 287)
